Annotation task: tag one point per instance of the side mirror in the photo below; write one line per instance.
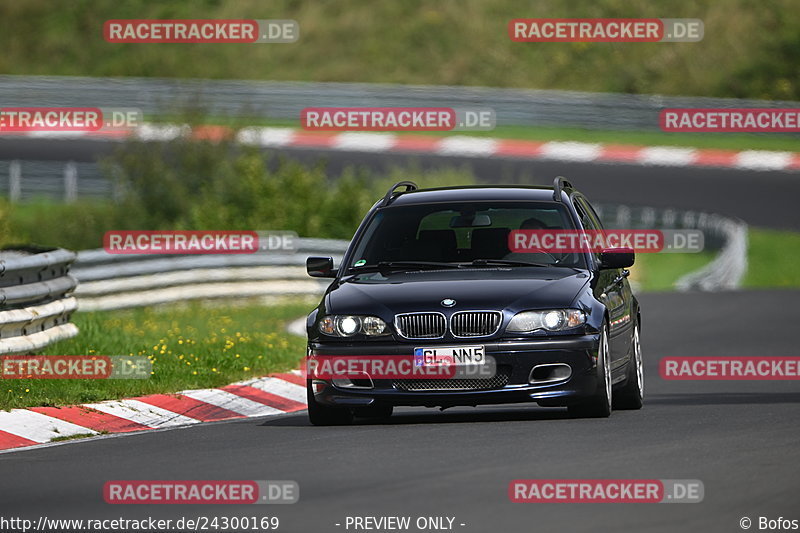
(320, 267)
(617, 258)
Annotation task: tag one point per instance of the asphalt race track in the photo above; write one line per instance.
(740, 439)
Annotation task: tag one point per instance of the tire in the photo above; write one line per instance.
(323, 415)
(599, 405)
(379, 411)
(631, 396)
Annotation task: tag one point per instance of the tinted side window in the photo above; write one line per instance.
(589, 221)
(583, 213)
(591, 212)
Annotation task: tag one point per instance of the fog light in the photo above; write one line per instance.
(318, 386)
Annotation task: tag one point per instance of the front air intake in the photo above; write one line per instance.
(475, 323)
(421, 325)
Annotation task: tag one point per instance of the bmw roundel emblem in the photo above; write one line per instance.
(448, 302)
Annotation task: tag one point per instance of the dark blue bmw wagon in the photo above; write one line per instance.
(433, 276)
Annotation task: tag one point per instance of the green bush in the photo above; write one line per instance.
(192, 185)
(5, 226)
(75, 226)
(206, 185)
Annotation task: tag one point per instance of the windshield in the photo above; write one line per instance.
(460, 233)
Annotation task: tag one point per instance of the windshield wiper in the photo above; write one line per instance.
(505, 262)
(510, 262)
(403, 265)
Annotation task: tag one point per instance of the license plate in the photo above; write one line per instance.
(449, 356)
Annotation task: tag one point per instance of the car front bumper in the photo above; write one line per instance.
(514, 358)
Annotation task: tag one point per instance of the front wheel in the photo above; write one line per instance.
(323, 415)
(599, 405)
(631, 396)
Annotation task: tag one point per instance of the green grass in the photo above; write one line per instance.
(191, 346)
(73, 437)
(772, 259)
(749, 48)
(659, 272)
(80, 225)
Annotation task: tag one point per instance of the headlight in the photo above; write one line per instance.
(326, 325)
(372, 325)
(349, 325)
(552, 320)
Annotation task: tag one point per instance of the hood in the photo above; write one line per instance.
(514, 289)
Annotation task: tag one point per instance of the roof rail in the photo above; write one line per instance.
(559, 184)
(409, 185)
